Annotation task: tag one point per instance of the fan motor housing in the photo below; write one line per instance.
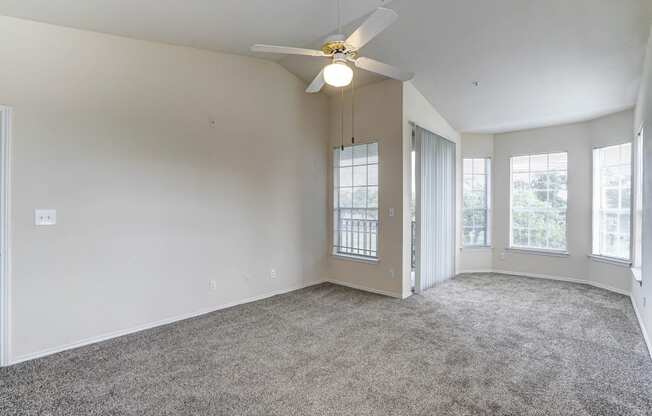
(336, 44)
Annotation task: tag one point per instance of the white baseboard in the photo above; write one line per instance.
(565, 279)
(143, 327)
(366, 289)
(646, 337)
(475, 271)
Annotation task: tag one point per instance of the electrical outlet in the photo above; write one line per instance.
(212, 284)
(391, 273)
(502, 255)
(272, 274)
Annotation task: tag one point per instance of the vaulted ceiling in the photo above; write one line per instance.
(537, 62)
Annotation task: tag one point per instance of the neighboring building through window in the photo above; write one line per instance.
(476, 196)
(355, 198)
(539, 199)
(612, 177)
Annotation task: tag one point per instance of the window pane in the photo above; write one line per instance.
(346, 157)
(346, 177)
(558, 161)
(610, 200)
(467, 166)
(355, 203)
(468, 183)
(346, 198)
(360, 176)
(360, 154)
(611, 156)
(479, 218)
(538, 181)
(521, 164)
(372, 171)
(480, 237)
(521, 181)
(538, 163)
(474, 186)
(372, 197)
(359, 197)
(479, 182)
(539, 201)
(478, 166)
(520, 238)
(468, 236)
(626, 154)
(372, 150)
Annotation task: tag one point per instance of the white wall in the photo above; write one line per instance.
(417, 109)
(642, 293)
(153, 201)
(578, 140)
(477, 259)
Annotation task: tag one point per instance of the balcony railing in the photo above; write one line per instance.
(357, 238)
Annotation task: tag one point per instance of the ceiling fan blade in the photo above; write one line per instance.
(287, 50)
(317, 83)
(376, 23)
(383, 69)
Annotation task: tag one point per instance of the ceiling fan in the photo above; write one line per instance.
(344, 49)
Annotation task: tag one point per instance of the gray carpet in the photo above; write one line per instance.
(477, 345)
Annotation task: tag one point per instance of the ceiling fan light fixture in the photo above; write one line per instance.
(338, 74)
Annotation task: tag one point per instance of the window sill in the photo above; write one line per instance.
(610, 260)
(476, 248)
(637, 273)
(357, 259)
(537, 252)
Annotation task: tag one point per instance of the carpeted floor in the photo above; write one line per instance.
(477, 345)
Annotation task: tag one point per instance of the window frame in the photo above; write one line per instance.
(535, 250)
(596, 255)
(334, 184)
(638, 196)
(488, 166)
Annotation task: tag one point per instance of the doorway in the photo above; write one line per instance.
(434, 209)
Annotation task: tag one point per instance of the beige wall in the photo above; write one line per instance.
(152, 200)
(578, 140)
(477, 259)
(378, 118)
(384, 112)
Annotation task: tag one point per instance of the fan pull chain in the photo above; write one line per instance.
(353, 109)
(342, 117)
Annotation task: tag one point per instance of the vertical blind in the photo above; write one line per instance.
(435, 216)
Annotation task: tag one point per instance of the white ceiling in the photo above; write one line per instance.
(539, 62)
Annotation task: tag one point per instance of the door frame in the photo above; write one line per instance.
(5, 271)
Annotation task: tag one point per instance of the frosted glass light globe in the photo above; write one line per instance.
(338, 74)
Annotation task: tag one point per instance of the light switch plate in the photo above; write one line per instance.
(45, 216)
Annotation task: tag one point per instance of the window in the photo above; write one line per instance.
(539, 197)
(355, 197)
(476, 194)
(612, 175)
(638, 202)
